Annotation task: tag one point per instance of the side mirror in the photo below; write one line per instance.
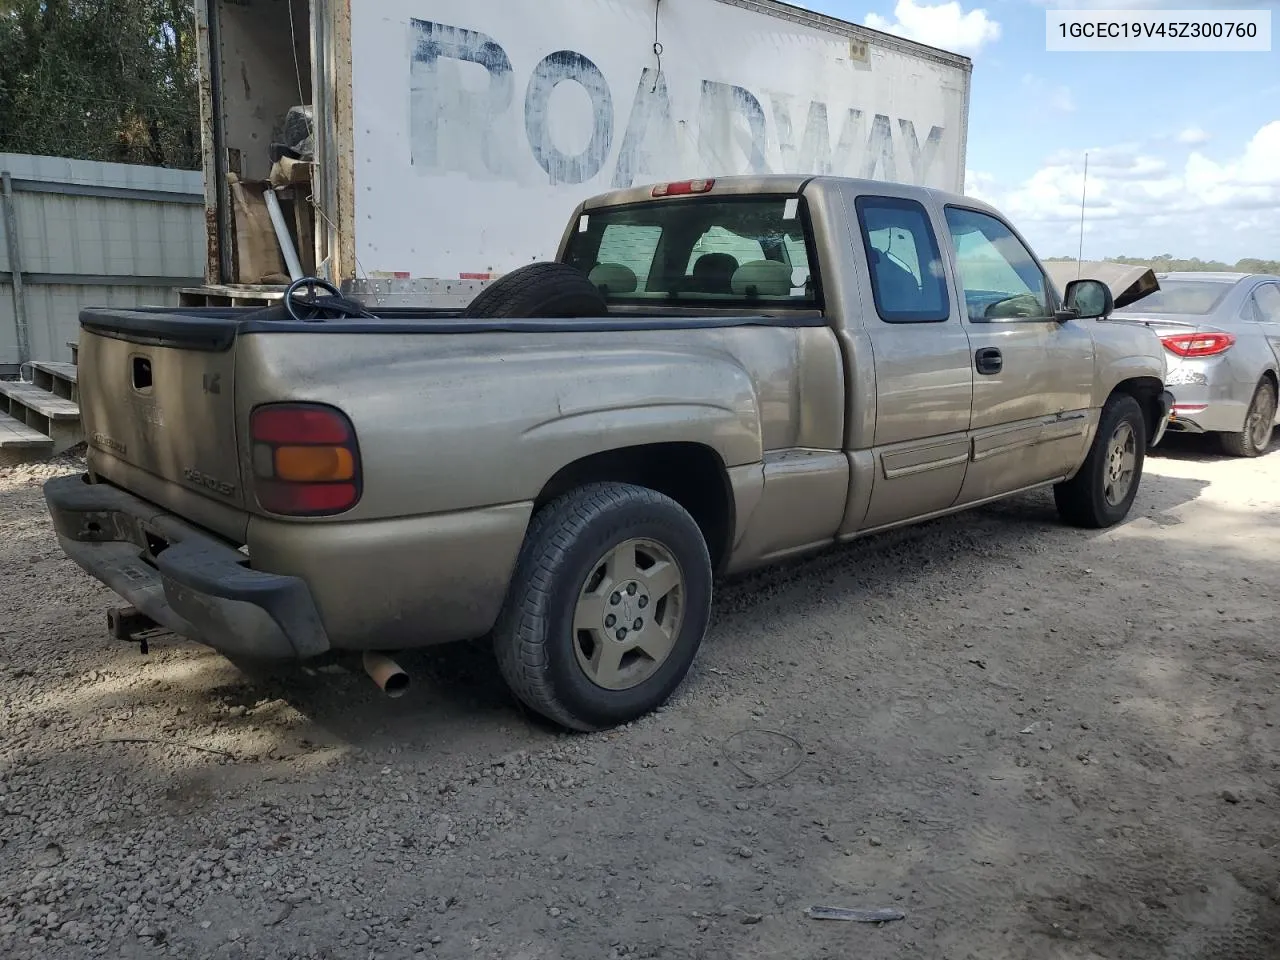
(1089, 299)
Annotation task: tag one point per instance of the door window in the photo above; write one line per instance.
(1001, 279)
(1267, 297)
(908, 281)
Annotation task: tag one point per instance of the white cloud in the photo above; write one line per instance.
(1193, 136)
(945, 25)
(1137, 202)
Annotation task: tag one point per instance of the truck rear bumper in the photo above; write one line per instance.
(182, 577)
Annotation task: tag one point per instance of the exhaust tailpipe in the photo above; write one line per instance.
(386, 673)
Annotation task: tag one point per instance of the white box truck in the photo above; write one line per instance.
(450, 138)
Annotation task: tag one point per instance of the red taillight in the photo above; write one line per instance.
(682, 188)
(1198, 344)
(297, 423)
(305, 460)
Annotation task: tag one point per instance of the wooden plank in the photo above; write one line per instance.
(256, 245)
(15, 435)
(245, 291)
(41, 401)
(304, 225)
(56, 368)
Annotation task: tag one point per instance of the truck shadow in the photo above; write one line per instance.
(459, 684)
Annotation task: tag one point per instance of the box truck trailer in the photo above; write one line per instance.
(410, 150)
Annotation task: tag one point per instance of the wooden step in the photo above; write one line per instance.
(60, 379)
(43, 411)
(43, 402)
(20, 443)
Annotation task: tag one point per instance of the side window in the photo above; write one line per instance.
(907, 277)
(1000, 277)
(1268, 299)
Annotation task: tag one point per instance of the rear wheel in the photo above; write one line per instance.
(539, 290)
(607, 606)
(1255, 437)
(1103, 490)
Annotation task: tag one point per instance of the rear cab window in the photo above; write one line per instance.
(739, 251)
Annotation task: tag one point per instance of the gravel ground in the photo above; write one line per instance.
(1035, 742)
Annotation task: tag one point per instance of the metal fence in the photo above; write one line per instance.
(78, 233)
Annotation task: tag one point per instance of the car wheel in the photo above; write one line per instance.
(607, 606)
(1255, 437)
(1102, 491)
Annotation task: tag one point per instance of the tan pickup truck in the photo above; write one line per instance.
(713, 376)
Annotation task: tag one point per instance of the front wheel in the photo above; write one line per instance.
(1254, 438)
(1103, 490)
(607, 606)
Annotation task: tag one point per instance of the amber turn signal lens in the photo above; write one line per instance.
(314, 464)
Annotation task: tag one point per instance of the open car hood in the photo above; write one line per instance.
(1128, 284)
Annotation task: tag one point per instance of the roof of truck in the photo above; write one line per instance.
(784, 183)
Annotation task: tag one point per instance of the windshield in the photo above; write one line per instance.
(721, 251)
(1181, 296)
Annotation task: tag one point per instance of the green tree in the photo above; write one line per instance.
(100, 80)
(1168, 263)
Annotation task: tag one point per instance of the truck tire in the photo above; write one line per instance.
(1254, 438)
(549, 290)
(607, 606)
(1102, 491)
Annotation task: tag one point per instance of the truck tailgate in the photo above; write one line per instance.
(160, 418)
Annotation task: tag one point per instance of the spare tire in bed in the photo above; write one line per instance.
(539, 290)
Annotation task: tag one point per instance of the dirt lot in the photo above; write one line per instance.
(1036, 742)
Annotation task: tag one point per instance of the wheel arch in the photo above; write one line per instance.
(692, 474)
(1147, 391)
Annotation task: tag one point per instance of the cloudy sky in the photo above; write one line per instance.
(1184, 148)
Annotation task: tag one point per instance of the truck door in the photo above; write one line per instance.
(923, 371)
(1033, 375)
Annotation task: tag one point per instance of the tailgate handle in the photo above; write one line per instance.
(141, 373)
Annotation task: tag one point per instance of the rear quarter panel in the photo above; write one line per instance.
(458, 435)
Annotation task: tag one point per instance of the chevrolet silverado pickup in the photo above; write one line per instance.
(712, 376)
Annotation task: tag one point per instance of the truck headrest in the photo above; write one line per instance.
(613, 278)
(762, 278)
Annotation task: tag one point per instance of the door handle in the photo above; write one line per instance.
(988, 360)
